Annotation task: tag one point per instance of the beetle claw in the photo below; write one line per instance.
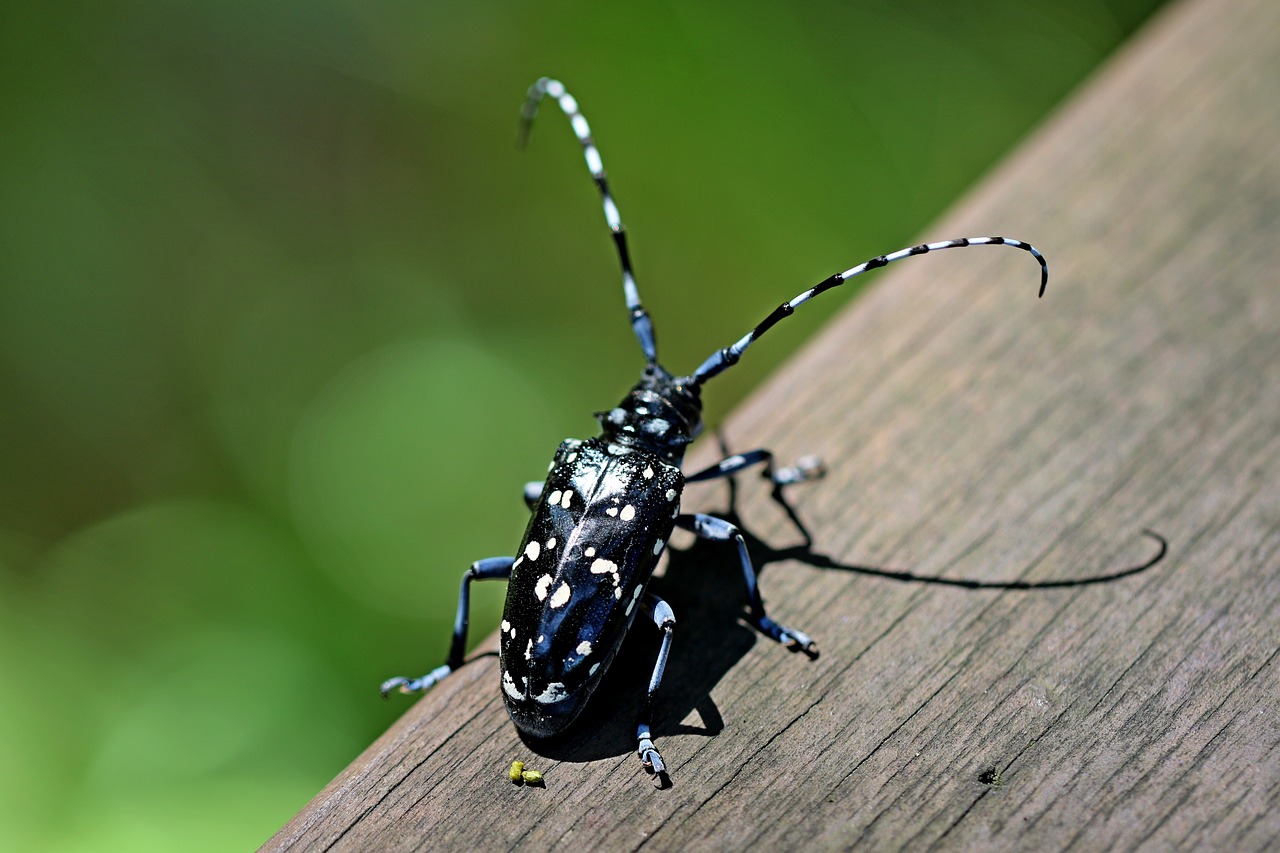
(653, 763)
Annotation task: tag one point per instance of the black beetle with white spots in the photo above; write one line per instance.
(602, 518)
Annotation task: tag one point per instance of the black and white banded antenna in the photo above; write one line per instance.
(640, 321)
(725, 358)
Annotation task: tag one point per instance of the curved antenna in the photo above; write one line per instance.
(640, 321)
(723, 359)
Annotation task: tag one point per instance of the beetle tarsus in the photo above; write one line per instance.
(806, 468)
(798, 641)
(391, 684)
(414, 685)
(653, 763)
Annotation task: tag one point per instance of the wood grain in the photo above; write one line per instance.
(973, 432)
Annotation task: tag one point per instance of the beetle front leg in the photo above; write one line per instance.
(494, 568)
(665, 619)
(719, 530)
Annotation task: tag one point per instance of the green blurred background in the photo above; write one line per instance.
(286, 320)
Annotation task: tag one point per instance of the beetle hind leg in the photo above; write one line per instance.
(494, 568)
(665, 619)
(719, 530)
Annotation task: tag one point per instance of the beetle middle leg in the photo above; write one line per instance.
(719, 530)
(494, 568)
(665, 619)
(806, 468)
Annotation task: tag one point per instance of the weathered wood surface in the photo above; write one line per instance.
(973, 432)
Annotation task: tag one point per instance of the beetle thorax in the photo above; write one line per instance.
(662, 414)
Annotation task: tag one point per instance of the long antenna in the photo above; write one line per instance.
(640, 321)
(725, 358)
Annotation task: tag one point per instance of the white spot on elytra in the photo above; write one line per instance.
(551, 543)
(532, 550)
(632, 603)
(671, 494)
(603, 566)
(506, 626)
(612, 512)
(657, 547)
(509, 685)
(561, 596)
(528, 651)
(554, 497)
(572, 456)
(617, 593)
(628, 513)
(554, 693)
(568, 496)
(542, 638)
(584, 648)
(540, 590)
(590, 552)
(648, 473)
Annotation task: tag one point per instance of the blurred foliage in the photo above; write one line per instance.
(286, 321)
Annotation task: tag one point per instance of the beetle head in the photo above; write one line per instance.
(661, 412)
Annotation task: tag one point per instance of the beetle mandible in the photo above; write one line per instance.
(602, 518)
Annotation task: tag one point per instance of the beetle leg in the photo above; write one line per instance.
(533, 493)
(719, 530)
(806, 468)
(494, 568)
(665, 619)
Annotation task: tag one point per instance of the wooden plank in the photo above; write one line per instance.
(972, 432)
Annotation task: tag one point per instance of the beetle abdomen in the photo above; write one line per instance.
(593, 541)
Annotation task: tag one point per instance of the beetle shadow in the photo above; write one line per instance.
(704, 586)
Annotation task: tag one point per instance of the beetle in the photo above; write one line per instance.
(602, 519)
